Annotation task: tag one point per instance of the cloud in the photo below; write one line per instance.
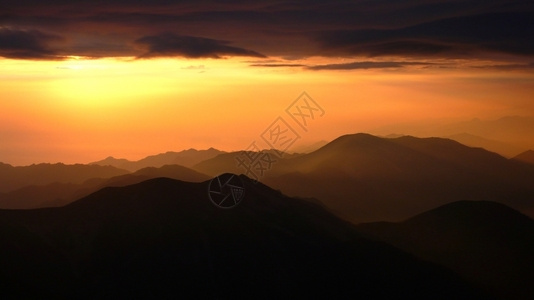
(363, 65)
(276, 65)
(458, 36)
(31, 44)
(527, 66)
(284, 28)
(169, 45)
(467, 36)
(192, 67)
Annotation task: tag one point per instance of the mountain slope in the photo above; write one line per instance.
(163, 238)
(59, 194)
(486, 242)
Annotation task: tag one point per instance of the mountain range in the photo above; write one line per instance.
(359, 177)
(163, 238)
(186, 158)
(364, 178)
(362, 216)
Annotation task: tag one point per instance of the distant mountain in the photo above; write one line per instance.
(59, 194)
(13, 178)
(515, 131)
(487, 243)
(365, 178)
(164, 238)
(504, 149)
(187, 158)
(526, 157)
(507, 129)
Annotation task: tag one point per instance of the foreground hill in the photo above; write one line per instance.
(59, 194)
(186, 158)
(164, 238)
(12, 178)
(364, 178)
(488, 243)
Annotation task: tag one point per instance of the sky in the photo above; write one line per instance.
(83, 80)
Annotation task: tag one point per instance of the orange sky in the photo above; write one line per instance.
(85, 110)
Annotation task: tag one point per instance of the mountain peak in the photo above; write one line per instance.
(349, 140)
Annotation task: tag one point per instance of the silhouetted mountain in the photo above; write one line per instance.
(59, 194)
(488, 243)
(12, 178)
(526, 157)
(164, 238)
(187, 158)
(364, 178)
(504, 149)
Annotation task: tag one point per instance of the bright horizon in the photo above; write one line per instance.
(80, 87)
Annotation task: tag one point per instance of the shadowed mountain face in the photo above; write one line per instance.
(487, 243)
(187, 158)
(164, 238)
(366, 178)
(59, 194)
(12, 178)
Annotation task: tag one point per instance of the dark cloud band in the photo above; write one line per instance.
(386, 28)
(510, 33)
(21, 44)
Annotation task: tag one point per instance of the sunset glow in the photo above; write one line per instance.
(79, 110)
(267, 149)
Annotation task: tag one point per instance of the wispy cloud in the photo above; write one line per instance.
(276, 65)
(362, 65)
(169, 45)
